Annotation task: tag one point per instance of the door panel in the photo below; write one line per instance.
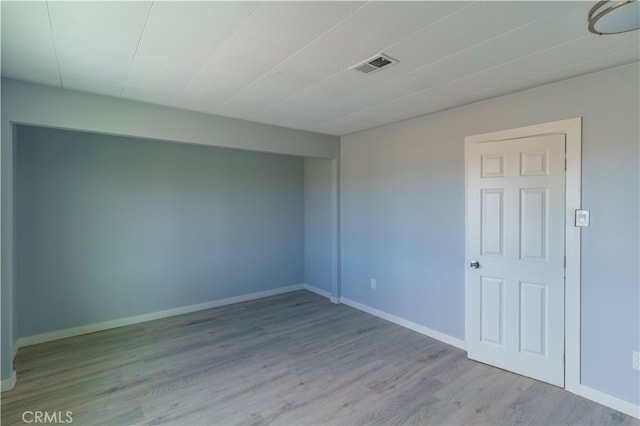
(492, 311)
(492, 223)
(533, 223)
(515, 231)
(533, 318)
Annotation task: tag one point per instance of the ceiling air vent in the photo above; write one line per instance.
(374, 64)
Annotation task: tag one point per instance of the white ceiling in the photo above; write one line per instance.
(287, 63)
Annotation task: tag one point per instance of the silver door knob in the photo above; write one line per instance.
(474, 264)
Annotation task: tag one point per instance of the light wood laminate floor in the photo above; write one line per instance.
(289, 359)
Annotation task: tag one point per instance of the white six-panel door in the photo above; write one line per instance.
(515, 280)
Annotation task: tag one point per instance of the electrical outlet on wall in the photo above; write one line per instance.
(374, 284)
(635, 364)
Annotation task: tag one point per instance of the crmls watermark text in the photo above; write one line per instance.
(47, 417)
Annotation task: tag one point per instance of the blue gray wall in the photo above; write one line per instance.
(109, 227)
(402, 214)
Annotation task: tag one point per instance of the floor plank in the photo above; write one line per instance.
(289, 359)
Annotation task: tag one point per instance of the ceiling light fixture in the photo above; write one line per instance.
(613, 17)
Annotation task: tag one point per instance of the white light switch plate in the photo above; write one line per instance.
(582, 217)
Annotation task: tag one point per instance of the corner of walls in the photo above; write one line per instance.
(316, 290)
(8, 383)
(320, 225)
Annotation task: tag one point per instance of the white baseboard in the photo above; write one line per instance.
(322, 292)
(316, 290)
(445, 338)
(621, 405)
(8, 384)
(106, 325)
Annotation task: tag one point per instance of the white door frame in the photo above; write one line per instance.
(572, 129)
